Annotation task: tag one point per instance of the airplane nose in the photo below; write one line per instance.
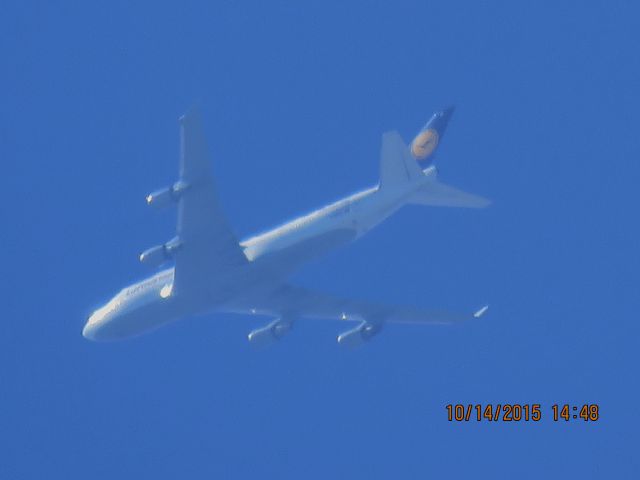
(91, 329)
(87, 331)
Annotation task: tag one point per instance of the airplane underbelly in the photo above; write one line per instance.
(290, 256)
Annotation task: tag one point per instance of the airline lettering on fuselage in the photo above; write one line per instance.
(144, 285)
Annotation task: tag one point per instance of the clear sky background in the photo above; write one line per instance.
(295, 97)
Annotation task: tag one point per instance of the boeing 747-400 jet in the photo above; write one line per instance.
(214, 272)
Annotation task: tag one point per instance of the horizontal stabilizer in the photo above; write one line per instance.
(436, 194)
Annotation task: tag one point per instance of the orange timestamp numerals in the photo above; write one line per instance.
(516, 412)
(508, 412)
(566, 412)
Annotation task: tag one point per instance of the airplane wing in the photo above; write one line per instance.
(298, 302)
(208, 247)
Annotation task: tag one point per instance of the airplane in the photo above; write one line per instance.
(213, 272)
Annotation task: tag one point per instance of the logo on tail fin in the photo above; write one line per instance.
(424, 144)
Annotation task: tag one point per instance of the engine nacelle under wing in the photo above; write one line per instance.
(359, 335)
(156, 256)
(167, 196)
(270, 333)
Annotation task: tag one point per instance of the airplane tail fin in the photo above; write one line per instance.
(425, 144)
(400, 163)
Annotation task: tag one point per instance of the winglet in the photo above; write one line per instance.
(481, 312)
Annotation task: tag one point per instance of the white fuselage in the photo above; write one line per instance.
(273, 256)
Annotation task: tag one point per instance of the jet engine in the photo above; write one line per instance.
(359, 335)
(156, 256)
(167, 196)
(270, 333)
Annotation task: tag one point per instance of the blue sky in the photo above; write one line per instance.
(295, 97)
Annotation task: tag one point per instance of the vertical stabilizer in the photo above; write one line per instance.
(425, 144)
(400, 163)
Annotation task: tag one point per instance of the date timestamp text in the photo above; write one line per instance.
(521, 412)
